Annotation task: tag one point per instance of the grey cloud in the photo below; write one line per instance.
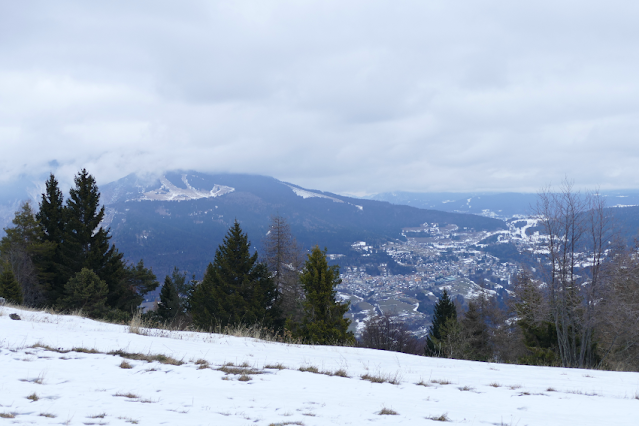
(349, 97)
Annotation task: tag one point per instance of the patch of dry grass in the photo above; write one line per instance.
(7, 416)
(441, 381)
(125, 365)
(127, 395)
(442, 418)
(162, 359)
(49, 415)
(33, 397)
(382, 378)
(228, 369)
(277, 366)
(387, 412)
(202, 364)
(97, 416)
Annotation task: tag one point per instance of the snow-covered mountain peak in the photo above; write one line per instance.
(169, 192)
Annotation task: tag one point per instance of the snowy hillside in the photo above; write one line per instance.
(58, 370)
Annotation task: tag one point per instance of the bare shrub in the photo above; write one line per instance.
(390, 333)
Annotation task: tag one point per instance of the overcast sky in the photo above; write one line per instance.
(347, 96)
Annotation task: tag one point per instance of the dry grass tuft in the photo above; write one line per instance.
(49, 415)
(494, 384)
(7, 416)
(97, 416)
(466, 388)
(340, 373)
(422, 383)
(162, 359)
(33, 397)
(227, 369)
(125, 365)
(136, 325)
(394, 380)
(127, 395)
(202, 364)
(551, 390)
(387, 412)
(244, 378)
(277, 366)
(442, 382)
(86, 351)
(309, 369)
(442, 418)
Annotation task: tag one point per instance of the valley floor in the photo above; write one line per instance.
(57, 369)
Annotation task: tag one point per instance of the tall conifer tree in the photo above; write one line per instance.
(444, 312)
(9, 286)
(52, 221)
(236, 288)
(169, 306)
(323, 321)
(85, 243)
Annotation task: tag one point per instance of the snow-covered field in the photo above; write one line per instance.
(44, 381)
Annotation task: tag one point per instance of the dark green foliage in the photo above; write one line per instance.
(134, 282)
(169, 306)
(323, 321)
(86, 291)
(85, 242)
(535, 323)
(22, 247)
(236, 289)
(51, 217)
(9, 286)
(476, 345)
(444, 311)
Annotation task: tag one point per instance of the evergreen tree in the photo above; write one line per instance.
(52, 221)
(135, 281)
(533, 318)
(26, 252)
(475, 334)
(444, 310)
(9, 286)
(236, 289)
(85, 244)
(169, 306)
(323, 321)
(86, 291)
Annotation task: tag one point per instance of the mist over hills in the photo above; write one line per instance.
(498, 205)
(180, 218)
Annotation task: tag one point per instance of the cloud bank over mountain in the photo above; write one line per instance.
(352, 98)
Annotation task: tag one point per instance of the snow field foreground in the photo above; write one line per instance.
(57, 369)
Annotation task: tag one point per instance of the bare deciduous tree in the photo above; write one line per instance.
(577, 232)
(390, 333)
(284, 261)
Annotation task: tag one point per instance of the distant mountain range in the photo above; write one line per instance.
(180, 218)
(498, 205)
